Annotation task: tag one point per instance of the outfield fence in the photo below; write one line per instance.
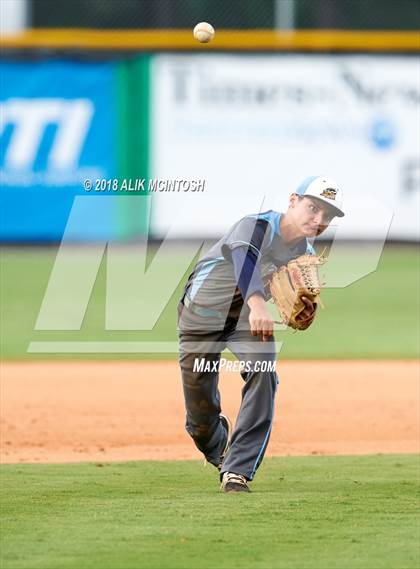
(248, 116)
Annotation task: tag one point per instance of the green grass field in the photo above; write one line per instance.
(304, 512)
(307, 512)
(376, 317)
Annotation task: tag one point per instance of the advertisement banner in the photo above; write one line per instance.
(58, 129)
(255, 126)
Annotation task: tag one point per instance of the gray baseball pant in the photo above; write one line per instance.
(202, 398)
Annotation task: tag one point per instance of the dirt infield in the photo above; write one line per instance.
(78, 411)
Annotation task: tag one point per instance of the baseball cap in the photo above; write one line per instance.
(324, 189)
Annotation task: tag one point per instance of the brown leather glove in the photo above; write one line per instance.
(295, 290)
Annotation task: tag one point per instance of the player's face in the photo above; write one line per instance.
(311, 216)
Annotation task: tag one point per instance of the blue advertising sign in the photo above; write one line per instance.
(58, 129)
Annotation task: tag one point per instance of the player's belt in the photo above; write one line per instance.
(201, 310)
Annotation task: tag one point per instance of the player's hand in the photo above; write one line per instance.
(260, 320)
(309, 312)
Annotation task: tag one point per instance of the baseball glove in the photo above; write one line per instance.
(299, 278)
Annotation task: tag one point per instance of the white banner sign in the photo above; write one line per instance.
(254, 126)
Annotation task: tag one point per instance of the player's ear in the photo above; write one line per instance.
(293, 200)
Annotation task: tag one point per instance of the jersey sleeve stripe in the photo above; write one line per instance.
(247, 244)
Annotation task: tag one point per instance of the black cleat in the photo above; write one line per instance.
(228, 427)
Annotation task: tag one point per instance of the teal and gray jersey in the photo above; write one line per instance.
(213, 283)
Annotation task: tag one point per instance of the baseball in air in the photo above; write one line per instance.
(204, 32)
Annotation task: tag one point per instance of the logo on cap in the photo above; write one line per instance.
(329, 193)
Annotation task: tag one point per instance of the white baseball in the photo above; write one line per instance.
(204, 32)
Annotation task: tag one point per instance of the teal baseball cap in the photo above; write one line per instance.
(324, 189)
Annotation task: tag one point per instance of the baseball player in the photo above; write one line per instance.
(223, 306)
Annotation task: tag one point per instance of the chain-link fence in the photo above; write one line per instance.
(233, 14)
